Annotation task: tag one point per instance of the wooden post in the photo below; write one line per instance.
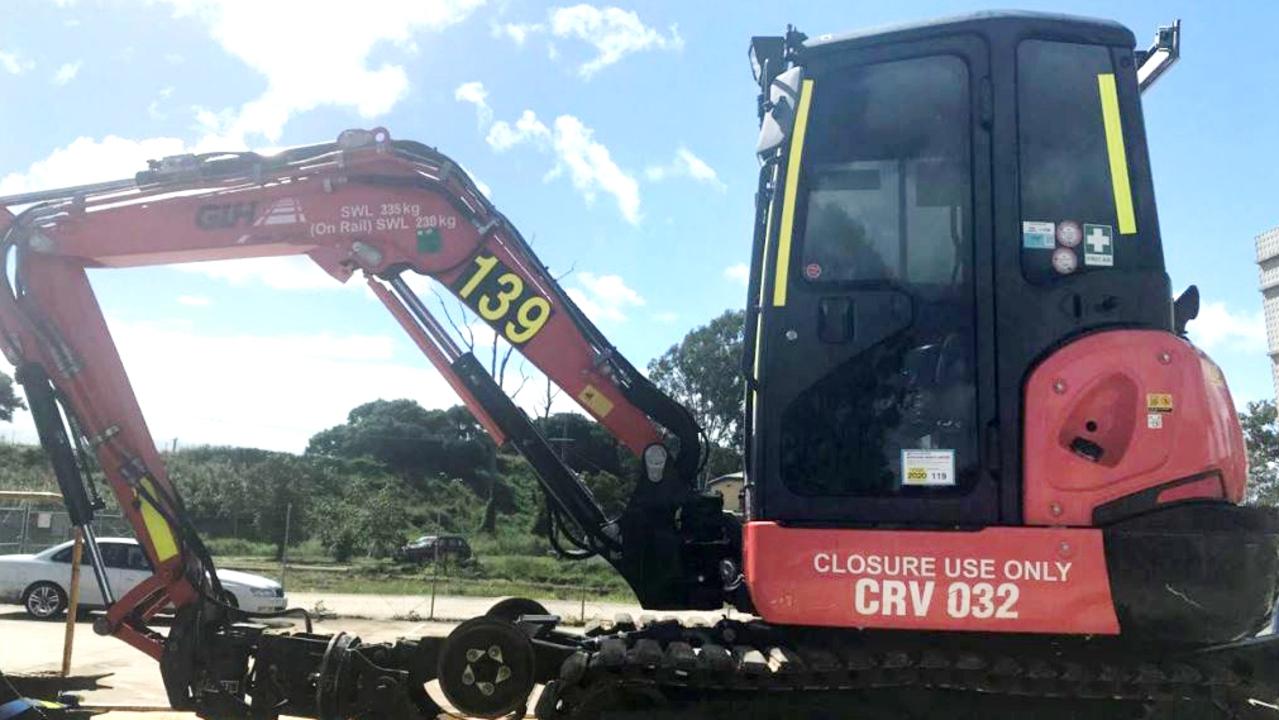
(73, 601)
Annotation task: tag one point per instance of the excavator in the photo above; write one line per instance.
(987, 474)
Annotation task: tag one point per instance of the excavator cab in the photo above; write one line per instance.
(950, 202)
(959, 320)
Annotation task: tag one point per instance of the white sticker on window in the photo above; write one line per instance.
(928, 467)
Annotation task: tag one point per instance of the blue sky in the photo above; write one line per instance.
(620, 139)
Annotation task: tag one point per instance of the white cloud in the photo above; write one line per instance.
(589, 163)
(666, 318)
(518, 32)
(264, 390)
(194, 300)
(153, 108)
(474, 93)
(1219, 328)
(15, 64)
(604, 298)
(685, 165)
(613, 32)
(86, 160)
(503, 136)
(739, 272)
(279, 40)
(66, 73)
(591, 167)
(294, 272)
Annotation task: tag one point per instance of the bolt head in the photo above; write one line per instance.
(792, 336)
(1059, 386)
(1055, 508)
(1165, 358)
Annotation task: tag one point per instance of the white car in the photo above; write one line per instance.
(40, 582)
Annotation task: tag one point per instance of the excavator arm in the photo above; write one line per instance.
(365, 204)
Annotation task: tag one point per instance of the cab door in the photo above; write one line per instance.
(873, 391)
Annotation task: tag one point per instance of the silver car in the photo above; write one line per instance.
(40, 582)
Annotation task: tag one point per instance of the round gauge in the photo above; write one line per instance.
(1069, 233)
(1065, 261)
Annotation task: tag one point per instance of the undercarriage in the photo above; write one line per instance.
(488, 667)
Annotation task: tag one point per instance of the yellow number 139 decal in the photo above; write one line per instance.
(498, 295)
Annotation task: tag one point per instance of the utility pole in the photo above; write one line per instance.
(284, 554)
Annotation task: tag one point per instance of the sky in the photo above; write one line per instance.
(620, 139)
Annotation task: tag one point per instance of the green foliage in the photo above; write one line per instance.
(368, 518)
(585, 444)
(1261, 433)
(703, 372)
(25, 467)
(239, 547)
(413, 442)
(9, 400)
(610, 491)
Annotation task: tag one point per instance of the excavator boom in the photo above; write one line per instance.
(365, 204)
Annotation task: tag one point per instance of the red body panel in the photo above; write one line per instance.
(1159, 409)
(1039, 580)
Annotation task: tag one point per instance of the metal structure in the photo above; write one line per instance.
(985, 468)
(1268, 270)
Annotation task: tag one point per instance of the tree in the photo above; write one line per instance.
(1261, 434)
(413, 442)
(9, 400)
(583, 443)
(704, 373)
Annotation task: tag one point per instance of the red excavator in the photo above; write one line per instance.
(986, 473)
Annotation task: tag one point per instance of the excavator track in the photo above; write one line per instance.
(753, 670)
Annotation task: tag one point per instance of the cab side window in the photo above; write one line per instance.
(1066, 190)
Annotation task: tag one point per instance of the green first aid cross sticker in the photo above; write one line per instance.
(1099, 245)
(428, 240)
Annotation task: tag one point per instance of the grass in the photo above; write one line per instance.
(538, 576)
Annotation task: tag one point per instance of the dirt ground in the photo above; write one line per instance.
(28, 646)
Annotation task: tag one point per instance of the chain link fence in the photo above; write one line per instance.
(27, 527)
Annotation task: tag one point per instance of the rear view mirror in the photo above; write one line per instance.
(779, 120)
(1185, 308)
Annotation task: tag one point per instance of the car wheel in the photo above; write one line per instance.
(44, 600)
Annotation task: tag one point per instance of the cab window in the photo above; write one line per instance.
(1066, 190)
(887, 180)
(886, 205)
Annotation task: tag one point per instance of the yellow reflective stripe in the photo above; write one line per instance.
(157, 527)
(792, 189)
(763, 275)
(1115, 149)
